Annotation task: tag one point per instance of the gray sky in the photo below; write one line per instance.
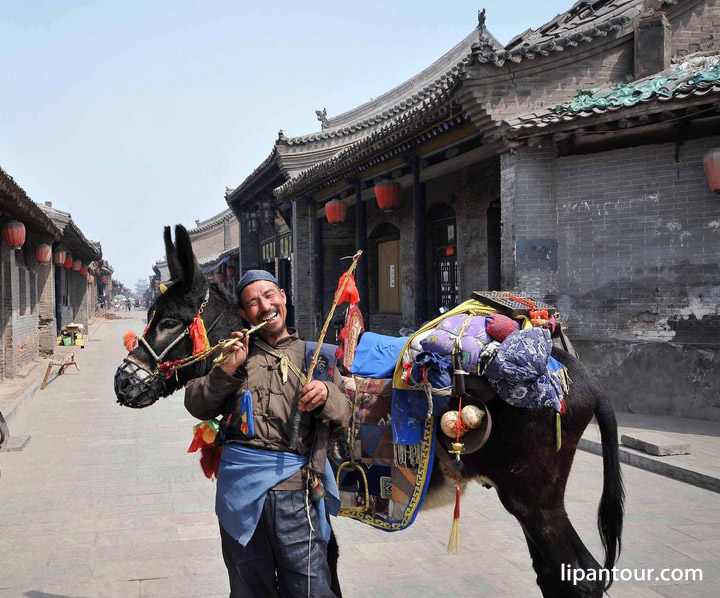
(136, 114)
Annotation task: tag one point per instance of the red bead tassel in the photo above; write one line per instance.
(454, 543)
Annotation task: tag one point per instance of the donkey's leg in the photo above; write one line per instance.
(556, 550)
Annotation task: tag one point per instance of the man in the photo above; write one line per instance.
(271, 533)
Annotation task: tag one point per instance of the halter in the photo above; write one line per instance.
(159, 358)
(168, 367)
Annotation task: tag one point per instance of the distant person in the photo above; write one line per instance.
(128, 303)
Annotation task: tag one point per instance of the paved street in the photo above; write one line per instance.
(105, 501)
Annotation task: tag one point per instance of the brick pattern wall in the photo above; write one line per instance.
(303, 252)
(520, 89)
(637, 235)
(695, 26)
(219, 237)
(46, 309)
(20, 338)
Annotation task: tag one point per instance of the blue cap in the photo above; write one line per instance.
(253, 276)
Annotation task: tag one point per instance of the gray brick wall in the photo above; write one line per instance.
(303, 251)
(636, 237)
(20, 337)
(695, 26)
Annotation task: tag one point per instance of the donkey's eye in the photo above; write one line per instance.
(169, 323)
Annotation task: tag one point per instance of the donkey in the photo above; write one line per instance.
(519, 460)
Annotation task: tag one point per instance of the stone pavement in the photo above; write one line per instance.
(105, 502)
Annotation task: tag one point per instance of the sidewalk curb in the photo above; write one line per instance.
(18, 402)
(701, 478)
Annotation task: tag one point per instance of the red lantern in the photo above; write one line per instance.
(104, 279)
(335, 211)
(77, 265)
(387, 194)
(59, 257)
(14, 234)
(231, 270)
(83, 270)
(712, 169)
(219, 277)
(68, 263)
(43, 253)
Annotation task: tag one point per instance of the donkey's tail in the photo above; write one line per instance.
(611, 509)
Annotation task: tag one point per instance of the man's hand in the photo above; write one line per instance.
(313, 395)
(238, 352)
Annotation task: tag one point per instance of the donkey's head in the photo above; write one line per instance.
(141, 379)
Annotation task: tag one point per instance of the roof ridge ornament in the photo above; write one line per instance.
(322, 117)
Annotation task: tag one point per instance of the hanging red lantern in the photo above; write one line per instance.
(103, 279)
(43, 253)
(83, 270)
(335, 211)
(68, 263)
(14, 234)
(387, 194)
(59, 257)
(77, 265)
(219, 277)
(231, 270)
(712, 169)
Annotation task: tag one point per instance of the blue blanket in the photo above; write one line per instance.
(377, 355)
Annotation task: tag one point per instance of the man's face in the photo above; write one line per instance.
(263, 301)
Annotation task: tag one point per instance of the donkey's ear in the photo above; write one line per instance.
(171, 255)
(189, 268)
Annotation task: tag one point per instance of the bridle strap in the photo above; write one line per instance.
(158, 358)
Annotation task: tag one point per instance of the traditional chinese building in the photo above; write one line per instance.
(75, 295)
(566, 165)
(27, 291)
(215, 243)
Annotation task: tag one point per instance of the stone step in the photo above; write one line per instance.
(654, 443)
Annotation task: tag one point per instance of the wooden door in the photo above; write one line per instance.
(389, 277)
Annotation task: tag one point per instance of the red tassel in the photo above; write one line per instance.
(456, 515)
(210, 460)
(130, 341)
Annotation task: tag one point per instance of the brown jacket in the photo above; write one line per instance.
(218, 393)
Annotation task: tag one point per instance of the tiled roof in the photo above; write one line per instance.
(349, 159)
(212, 222)
(71, 233)
(585, 21)
(698, 75)
(436, 80)
(16, 202)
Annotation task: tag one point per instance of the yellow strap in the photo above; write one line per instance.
(472, 307)
(285, 362)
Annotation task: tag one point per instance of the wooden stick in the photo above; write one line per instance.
(295, 429)
(47, 375)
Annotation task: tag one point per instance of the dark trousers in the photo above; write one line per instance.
(274, 564)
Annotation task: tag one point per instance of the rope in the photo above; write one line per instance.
(312, 529)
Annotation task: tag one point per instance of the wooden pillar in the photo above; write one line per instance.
(420, 288)
(361, 244)
(317, 271)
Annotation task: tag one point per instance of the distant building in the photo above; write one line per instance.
(141, 287)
